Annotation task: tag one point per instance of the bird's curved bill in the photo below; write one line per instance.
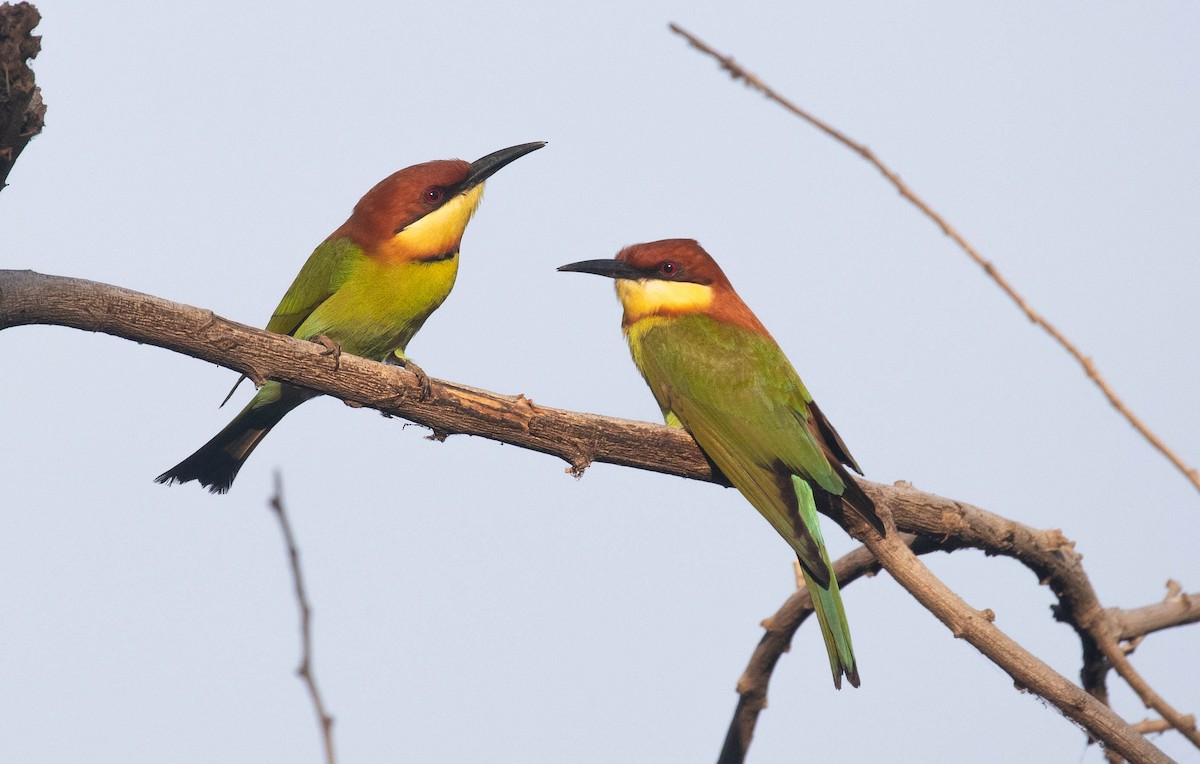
(482, 169)
(614, 269)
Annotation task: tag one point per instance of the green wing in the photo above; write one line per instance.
(322, 274)
(738, 395)
(325, 270)
(741, 385)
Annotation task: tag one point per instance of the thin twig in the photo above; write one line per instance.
(1186, 724)
(1089, 367)
(305, 670)
(1178, 607)
(798, 575)
(1152, 726)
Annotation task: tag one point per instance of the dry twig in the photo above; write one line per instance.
(1186, 724)
(305, 669)
(1177, 607)
(1053, 559)
(1089, 367)
(1152, 726)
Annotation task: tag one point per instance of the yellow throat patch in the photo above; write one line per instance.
(648, 297)
(438, 232)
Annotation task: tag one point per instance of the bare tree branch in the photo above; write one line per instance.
(1151, 726)
(305, 669)
(1089, 367)
(994, 536)
(22, 113)
(1052, 557)
(1177, 608)
(1186, 724)
(579, 439)
(977, 627)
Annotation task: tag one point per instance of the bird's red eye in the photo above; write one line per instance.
(433, 194)
(668, 268)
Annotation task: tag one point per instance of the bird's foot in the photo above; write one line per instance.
(422, 377)
(332, 347)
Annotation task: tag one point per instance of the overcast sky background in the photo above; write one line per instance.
(472, 601)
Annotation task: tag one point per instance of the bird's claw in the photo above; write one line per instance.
(332, 347)
(422, 378)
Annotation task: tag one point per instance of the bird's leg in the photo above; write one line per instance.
(395, 359)
(332, 347)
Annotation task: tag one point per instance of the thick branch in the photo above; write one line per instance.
(579, 439)
(22, 113)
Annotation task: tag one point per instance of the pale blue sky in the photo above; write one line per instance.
(473, 603)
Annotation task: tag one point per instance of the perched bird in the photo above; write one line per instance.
(367, 289)
(715, 370)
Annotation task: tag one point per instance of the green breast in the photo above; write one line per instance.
(378, 307)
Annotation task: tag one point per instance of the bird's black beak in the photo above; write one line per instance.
(482, 169)
(614, 269)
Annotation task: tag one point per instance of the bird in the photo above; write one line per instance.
(715, 371)
(365, 290)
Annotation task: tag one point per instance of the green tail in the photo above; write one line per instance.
(216, 463)
(827, 602)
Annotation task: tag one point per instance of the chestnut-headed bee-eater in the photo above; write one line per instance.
(715, 370)
(367, 289)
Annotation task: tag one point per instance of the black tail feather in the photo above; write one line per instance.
(861, 503)
(216, 463)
